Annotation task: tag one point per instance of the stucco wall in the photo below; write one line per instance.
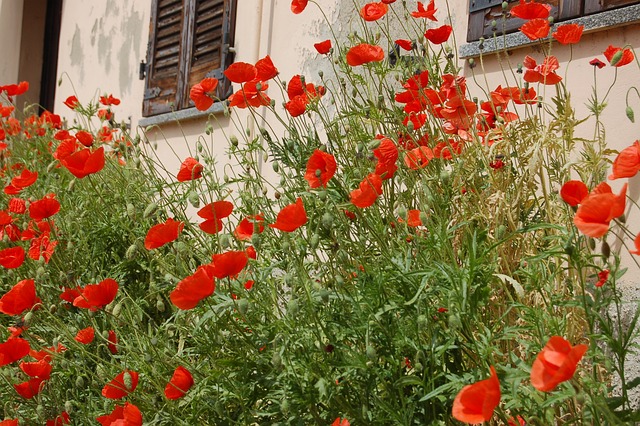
(11, 25)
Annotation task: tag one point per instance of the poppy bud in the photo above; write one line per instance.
(136, 162)
(127, 380)
(153, 341)
(116, 310)
(494, 25)
(592, 243)
(276, 360)
(40, 411)
(224, 241)
(322, 195)
(314, 241)
(80, 382)
(616, 58)
(131, 211)
(160, 305)
(320, 73)
(622, 218)
(68, 407)
(276, 166)
(243, 306)
(422, 321)
(53, 308)
(500, 231)
(284, 406)
(52, 166)
(605, 249)
(454, 322)
(630, 115)
(194, 199)
(71, 185)
(181, 247)
(472, 63)
(150, 210)
(410, 126)
(418, 366)
(568, 248)
(505, 5)
(256, 240)
(130, 254)
(27, 319)
(371, 353)
(327, 220)
(402, 213)
(40, 272)
(373, 144)
(550, 19)
(234, 140)
(324, 295)
(293, 307)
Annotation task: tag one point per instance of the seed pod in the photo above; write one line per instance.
(243, 306)
(605, 249)
(194, 199)
(616, 58)
(276, 166)
(371, 353)
(150, 210)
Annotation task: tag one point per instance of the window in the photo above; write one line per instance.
(188, 41)
(483, 12)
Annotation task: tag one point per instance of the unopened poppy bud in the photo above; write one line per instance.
(592, 243)
(40, 272)
(52, 166)
(243, 306)
(80, 382)
(116, 310)
(339, 281)
(160, 305)
(314, 241)
(423, 217)
(494, 25)
(40, 411)
(373, 144)
(53, 308)
(194, 199)
(327, 220)
(72, 184)
(68, 407)
(371, 353)
(131, 211)
(324, 295)
(616, 58)
(256, 240)
(519, 68)
(568, 248)
(472, 63)
(454, 322)
(127, 380)
(293, 307)
(630, 114)
(224, 241)
(402, 213)
(410, 126)
(27, 318)
(285, 246)
(322, 195)
(150, 210)
(550, 19)
(131, 252)
(605, 249)
(505, 5)
(276, 166)
(234, 140)
(284, 406)
(276, 360)
(622, 218)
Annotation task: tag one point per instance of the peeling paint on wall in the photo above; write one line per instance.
(131, 29)
(77, 54)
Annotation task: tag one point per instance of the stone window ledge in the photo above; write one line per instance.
(600, 21)
(181, 115)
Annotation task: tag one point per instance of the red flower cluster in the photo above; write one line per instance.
(300, 95)
(213, 213)
(254, 82)
(596, 209)
(364, 54)
(321, 167)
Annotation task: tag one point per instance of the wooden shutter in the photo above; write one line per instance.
(209, 53)
(483, 12)
(163, 57)
(595, 6)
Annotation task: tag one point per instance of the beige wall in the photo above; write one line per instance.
(11, 25)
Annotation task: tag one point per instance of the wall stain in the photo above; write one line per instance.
(77, 53)
(131, 29)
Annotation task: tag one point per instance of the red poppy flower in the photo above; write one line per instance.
(42, 247)
(246, 227)
(191, 290)
(44, 208)
(41, 369)
(127, 415)
(61, 420)
(536, 28)
(12, 257)
(13, 349)
(340, 421)
(598, 209)
(241, 72)
(321, 167)
(118, 388)
(556, 363)
(405, 44)
(266, 69)
(413, 218)
(568, 33)
(180, 383)
(573, 192)
(9, 422)
(373, 11)
(368, 192)
(70, 294)
(84, 162)
(214, 213)
(364, 54)
(297, 106)
(543, 73)
(603, 276)
(229, 264)
(597, 63)
(475, 403)
(387, 155)
(85, 336)
(109, 100)
(297, 6)
(428, 13)
(636, 243)
(291, 217)
(71, 102)
(203, 94)
(30, 388)
(26, 178)
(418, 158)
(616, 58)
(627, 163)
(112, 342)
(85, 138)
(46, 353)
(163, 233)
(530, 10)
(323, 47)
(20, 298)
(15, 89)
(95, 296)
(250, 95)
(190, 169)
(438, 35)
(17, 205)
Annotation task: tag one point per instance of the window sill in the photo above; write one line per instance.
(181, 115)
(599, 21)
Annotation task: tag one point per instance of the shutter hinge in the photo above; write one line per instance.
(142, 70)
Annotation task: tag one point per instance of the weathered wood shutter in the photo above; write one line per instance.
(163, 57)
(483, 12)
(209, 50)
